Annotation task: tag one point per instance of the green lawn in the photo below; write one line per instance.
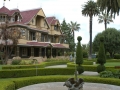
(0, 67)
(112, 64)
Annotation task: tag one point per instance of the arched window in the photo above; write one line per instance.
(16, 18)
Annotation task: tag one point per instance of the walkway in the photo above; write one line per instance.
(59, 86)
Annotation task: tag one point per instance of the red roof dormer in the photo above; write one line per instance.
(4, 10)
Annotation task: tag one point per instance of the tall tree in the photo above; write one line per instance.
(105, 18)
(68, 35)
(111, 41)
(8, 40)
(90, 9)
(112, 6)
(74, 27)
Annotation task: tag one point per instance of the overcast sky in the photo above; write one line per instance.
(70, 10)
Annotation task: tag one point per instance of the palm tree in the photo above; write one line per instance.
(105, 18)
(74, 27)
(112, 6)
(90, 9)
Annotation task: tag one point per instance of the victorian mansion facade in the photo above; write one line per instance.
(41, 36)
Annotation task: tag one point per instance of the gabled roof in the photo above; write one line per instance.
(28, 15)
(50, 19)
(4, 10)
(13, 11)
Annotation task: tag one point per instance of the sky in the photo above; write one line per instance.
(70, 10)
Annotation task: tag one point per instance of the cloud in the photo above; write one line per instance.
(70, 10)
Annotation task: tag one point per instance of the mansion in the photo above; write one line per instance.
(41, 36)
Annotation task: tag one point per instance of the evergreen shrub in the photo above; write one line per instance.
(16, 62)
(80, 69)
(100, 68)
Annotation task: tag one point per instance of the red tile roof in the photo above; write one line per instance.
(50, 19)
(58, 46)
(28, 15)
(13, 11)
(54, 21)
(4, 10)
(38, 44)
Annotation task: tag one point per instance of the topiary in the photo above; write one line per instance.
(101, 53)
(79, 53)
(16, 62)
(100, 68)
(80, 69)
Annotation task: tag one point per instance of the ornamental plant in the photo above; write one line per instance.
(101, 56)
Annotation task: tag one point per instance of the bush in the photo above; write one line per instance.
(85, 54)
(22, 82)
(15, 73)
(42, 65)
(100, 68)
(16, 62)
(106, 74)
(80, 69)
(117, 56)
(0, 62)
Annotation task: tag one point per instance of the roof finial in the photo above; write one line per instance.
(4, 3)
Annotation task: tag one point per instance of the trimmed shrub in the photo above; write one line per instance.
(101, 54)
(80, 69)
(7, 85)
(117, 56)
(16, 62)
(79, 54)
(42, 65)
(15, 73)
(0, 62)
(100, 68)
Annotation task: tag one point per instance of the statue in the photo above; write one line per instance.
(74, 85)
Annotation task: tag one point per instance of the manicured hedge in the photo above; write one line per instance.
(42, 65)
(117, 56)
(7, 85)
(21, 82)
(88, 67)
(15, 73)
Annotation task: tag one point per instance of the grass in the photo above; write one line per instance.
(0, 67)
(112, 64)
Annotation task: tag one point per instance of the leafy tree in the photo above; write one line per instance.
(112, 6)
(105, 18)
(101, 53)
(68, 36)
(9, 38)
(79, 54)
(90, 9)
(74, 27)
(111, 41)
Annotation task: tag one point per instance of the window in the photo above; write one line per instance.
(24, 51)
(32, 36)
(44, 23)
(42, 37)
(22, 32)
(56, 27)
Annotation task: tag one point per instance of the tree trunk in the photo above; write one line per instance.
(74, 39)
(90, 51)
(105, 25)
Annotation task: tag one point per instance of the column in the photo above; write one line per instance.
(17, 51)
(39, 52)
(32, 52)
(45, 52)
(51, 52)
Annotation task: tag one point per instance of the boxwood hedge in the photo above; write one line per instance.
(42, 65)
(14, 84)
